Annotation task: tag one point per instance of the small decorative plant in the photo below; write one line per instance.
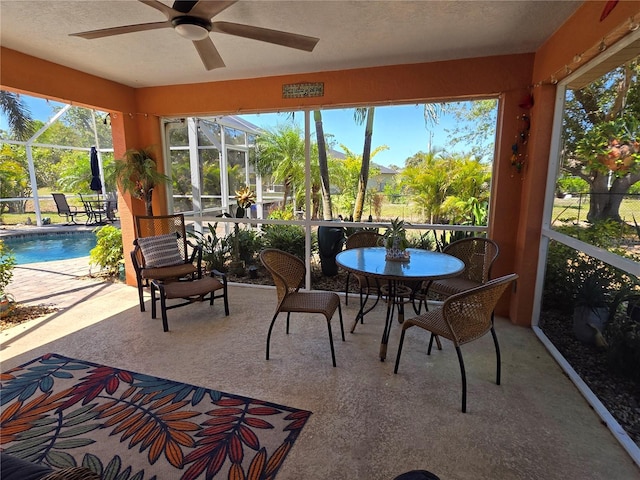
(593, 307)
(395, 240)
(138, 175)
(244, 198)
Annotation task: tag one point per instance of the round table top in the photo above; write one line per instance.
(422, 264)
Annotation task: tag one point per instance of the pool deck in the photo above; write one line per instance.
(61, 283)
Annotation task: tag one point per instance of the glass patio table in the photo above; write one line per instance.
(422, 265)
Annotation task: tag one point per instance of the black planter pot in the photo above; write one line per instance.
(330, 243)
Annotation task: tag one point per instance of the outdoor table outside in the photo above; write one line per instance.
(422, 265)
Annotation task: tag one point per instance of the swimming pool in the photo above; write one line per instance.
(50, 246)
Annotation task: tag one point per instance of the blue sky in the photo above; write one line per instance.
(401, 128)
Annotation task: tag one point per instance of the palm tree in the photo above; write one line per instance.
(327, 212)
(363, 115)
(280, 154)
(18, 115)
(440, 184)
(350, 173)
(137, 175)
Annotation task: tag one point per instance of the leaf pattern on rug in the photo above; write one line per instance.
(124, 425)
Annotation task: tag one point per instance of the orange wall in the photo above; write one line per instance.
(582, 33)
(34, 76)
(516, 210)
(381, 85)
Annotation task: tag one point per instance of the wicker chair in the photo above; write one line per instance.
(463, 318)
(368, 285)
(159, 256)
(478, 255)
(288, 273)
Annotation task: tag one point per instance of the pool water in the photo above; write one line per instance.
(49, 247)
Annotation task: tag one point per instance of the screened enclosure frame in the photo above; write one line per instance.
(600, 65)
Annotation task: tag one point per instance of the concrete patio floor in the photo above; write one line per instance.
(367, 423)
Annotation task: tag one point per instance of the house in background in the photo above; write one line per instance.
(385, 176)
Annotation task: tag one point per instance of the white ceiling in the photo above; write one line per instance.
(352, 34)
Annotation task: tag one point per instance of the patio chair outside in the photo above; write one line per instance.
(288, 273)
(478, 255)
(66, 210)
(462, 318)
(96, 209)
(363, 238)
(161, 252)
(112, 206)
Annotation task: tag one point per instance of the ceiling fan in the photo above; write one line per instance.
(193, 20)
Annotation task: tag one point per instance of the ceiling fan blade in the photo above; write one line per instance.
(209, 9)
(108, 32)
(184, 6)
(208, 54)
(292, 40)
(168, 12)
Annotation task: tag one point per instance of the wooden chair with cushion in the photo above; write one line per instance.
(366, 285)
(162, 253)
(462, 318)
(288, 273)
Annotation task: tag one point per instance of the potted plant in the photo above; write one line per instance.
(244, 198)
(137, 174)
(395, 241)
(593, 307)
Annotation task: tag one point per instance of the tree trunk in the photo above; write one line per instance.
(327, 211)
(604, 202)
(147, 201)
(286, 192)
(315, 202)
(364, 169)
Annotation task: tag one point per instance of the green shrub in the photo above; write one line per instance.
(623, 354)
(7, 262)
(567, 269)
(289, 238)
(216, 250)
(569, 184)
(108, 252)
(422, 240)
(250, 243)
(282, 213)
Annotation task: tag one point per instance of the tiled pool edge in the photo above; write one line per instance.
(27, 231)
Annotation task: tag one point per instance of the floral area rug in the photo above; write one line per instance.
(124, 425)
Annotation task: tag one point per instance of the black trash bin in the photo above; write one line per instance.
(330, 243)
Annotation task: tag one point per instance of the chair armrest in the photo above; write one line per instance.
(196, 256)
(136, 255)
(217, 273)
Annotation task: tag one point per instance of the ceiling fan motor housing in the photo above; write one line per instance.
(191, 28)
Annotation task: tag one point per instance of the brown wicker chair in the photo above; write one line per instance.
(288, 273)
(366, 285)
(165, 259)
(462, 318)
(478, 255)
